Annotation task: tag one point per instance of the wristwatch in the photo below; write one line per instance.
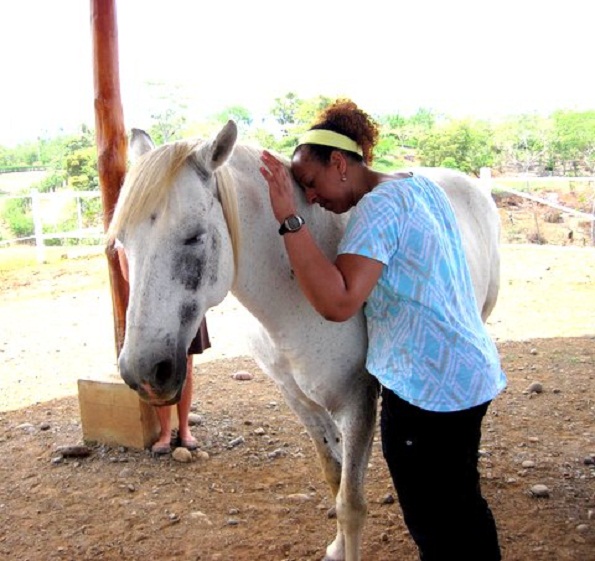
(291, 224)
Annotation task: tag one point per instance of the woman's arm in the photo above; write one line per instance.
(336, 290)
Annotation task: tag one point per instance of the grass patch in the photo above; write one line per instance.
(23, 258)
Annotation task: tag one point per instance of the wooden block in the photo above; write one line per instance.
(113, 414)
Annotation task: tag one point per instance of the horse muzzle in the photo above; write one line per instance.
(158, 385)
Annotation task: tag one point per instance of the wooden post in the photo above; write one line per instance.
(111, 140)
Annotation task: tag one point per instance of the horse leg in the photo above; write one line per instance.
(327, 440)
(344, 444)
(357, 421)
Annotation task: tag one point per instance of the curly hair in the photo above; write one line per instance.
(345, 117)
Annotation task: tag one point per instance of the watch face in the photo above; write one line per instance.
(293, 223)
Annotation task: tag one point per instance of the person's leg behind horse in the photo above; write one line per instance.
(163, 443)
(185, 436)
(199, 344)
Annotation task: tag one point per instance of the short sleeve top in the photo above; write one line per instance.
(427, 341)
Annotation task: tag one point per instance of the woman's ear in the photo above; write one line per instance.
(339, 161)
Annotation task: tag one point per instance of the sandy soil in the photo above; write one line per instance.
(265, 498)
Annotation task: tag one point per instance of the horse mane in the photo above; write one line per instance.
(148, 184)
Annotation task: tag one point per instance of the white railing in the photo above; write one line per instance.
(485, 178)
(95, 232)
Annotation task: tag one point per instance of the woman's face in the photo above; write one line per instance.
(321, 182)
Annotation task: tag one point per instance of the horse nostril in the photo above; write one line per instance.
(163, 373)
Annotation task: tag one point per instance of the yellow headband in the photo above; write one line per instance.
(330, 138)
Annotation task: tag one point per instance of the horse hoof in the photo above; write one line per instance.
(332, 558)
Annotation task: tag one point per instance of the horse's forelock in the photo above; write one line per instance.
(147, 185)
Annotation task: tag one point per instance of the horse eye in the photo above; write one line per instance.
(193, 240)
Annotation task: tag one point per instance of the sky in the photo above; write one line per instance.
(462, 58)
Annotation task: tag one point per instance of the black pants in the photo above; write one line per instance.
(432, 458)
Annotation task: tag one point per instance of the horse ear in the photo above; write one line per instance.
(220, 148)
(140, 143)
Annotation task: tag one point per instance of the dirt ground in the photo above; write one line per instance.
(262, 496)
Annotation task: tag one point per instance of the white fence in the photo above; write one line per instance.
(44, 207)
(42, 212)
(493, 185)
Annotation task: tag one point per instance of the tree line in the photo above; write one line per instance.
(562, 143)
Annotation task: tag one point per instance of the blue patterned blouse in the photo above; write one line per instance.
(427, 341)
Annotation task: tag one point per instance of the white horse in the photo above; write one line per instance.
(196, 222)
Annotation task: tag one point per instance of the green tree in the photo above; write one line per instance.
(18, 217)
(168, 113)
(462, 144)
(523, 144)
(81, 169)
(285, 108)
(573, 137)
(52, 182)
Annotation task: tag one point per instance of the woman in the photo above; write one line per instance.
(429, 349)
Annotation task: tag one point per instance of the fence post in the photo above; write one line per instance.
(79, 215)
(37, 226)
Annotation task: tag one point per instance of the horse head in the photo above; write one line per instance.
(170, 219)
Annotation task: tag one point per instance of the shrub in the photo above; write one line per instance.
(18, 217)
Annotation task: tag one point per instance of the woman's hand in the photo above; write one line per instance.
(280, 183)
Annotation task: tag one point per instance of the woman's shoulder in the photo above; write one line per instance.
(401, 192)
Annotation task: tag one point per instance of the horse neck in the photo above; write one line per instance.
(264, 282)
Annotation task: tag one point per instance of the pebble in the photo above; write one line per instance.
(242, 375)
(200, 517)
(582, 528)
(298, 498)
(388, 500)
(74, 451)
(540, 491)
(44, 426)
(535, 387)
(528, 464)
(194, 420)
(182, 455)
(236, 442)
(276, 454)
(201, 455)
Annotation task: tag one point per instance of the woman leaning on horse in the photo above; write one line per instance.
(401, 258)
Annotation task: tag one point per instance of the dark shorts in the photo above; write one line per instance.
(201, 342)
